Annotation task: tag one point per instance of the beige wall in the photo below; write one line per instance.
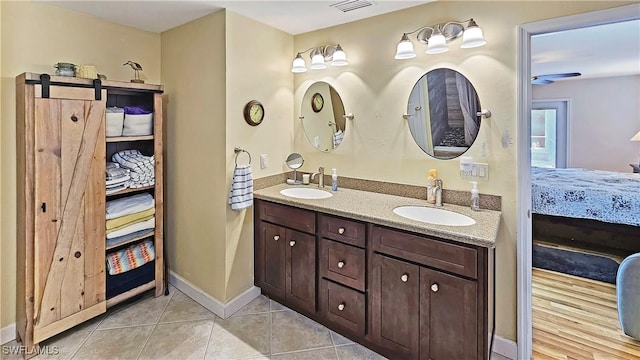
(257, 69)
(603, 117)
(193, 73)
(375, 87)
(211, 68)
(61, 36)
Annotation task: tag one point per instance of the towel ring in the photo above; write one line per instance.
(238, 150)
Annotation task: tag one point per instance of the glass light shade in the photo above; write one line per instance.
(339, 57)
(472, 37)
(636, 137)
(298, 65)
(437, 44)
(405, 49)
(317, 62)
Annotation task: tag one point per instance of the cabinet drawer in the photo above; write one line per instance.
(343, 307)
(343, 230)
(291, 217)
(342, 263)
(454, 258)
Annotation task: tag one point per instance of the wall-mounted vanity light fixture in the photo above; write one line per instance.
(319, 55)
(438, 36)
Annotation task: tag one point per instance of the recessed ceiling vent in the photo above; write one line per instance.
(349, 5)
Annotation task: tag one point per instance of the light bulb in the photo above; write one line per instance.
(339, 57)
(437, 44)
(298, 65)
(404, 49)
(317, 62)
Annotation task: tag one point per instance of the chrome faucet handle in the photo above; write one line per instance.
(320, 178)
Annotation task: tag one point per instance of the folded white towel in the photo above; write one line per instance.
(134, 160)
(116, 188)
(129, 205)
(149, 224)
(118, 180)
(241, 194)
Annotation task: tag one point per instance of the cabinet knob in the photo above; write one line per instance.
(276, 237)
(434, 287)
(291, 243)
(404, 277)
(341, 230)
(340, 264)
(341, 306)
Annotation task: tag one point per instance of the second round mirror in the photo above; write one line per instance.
(442, 113)
(323, 119)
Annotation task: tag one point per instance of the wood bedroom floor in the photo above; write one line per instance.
(576, 318)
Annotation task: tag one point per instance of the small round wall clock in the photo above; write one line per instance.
(253, 112)
(317, 102)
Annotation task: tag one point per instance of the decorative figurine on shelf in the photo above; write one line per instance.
(136, 67)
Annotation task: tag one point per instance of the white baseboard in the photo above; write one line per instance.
(505, 347)
(210, 303)
(8, 333)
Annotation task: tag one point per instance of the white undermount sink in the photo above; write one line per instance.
(306, 193)
(433, 215)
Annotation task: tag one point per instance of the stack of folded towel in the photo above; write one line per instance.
(130, 217)
(130, 258)
(142, 169)
(117, 178)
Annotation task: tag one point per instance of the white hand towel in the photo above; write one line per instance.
(129, 205)
(241, 194)
(337, 138)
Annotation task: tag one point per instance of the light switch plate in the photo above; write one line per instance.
(264, 161)
(479, 171)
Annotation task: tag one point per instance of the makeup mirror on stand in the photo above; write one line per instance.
(294, 161)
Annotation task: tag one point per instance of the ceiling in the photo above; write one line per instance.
(292, 16)
(600, 51)
(597, 51)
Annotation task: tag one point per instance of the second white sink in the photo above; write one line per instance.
(306, 193)
(433, 215)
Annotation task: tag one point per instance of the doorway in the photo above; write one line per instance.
(524, 226)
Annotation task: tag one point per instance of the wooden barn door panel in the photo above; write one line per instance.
(70, 233)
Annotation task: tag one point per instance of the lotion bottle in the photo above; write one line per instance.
(334, 180)
(475, 196)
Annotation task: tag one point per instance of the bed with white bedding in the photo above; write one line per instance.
(593, 206)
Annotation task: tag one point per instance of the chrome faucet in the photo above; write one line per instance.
(437, 192)
(321, 178)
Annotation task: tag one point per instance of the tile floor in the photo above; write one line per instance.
(176, 327)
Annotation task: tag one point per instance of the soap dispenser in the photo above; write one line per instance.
(334, 180)
(475, 196)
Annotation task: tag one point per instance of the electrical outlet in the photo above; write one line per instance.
(264, 161)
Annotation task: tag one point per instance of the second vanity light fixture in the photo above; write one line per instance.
(438, 36)
(319, 55)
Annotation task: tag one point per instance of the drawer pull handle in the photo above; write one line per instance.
(341, 230)
(276, 237)
(341, 306)
(292, 243)
(435, 287)
(340, 264)
(404, 277)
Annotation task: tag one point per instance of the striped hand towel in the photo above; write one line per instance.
(130, 258)
(337, 138)
(241, 194)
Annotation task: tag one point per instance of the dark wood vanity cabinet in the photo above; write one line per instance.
(285, 255)
(405, 295)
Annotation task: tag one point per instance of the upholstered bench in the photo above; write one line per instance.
(628, 295)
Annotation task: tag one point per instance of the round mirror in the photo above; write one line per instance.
(443, 113)
(323, 119)
(294, 161)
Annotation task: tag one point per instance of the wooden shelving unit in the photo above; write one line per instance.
(131, 190)
(129, 138)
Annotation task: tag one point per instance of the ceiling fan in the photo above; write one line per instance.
(546, 79)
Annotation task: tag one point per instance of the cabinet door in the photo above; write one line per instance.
(69, 183)
(448, 317)
(394, 305)
(271, 263)
(301, 271)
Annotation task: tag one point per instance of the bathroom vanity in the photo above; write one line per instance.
(404, 288)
